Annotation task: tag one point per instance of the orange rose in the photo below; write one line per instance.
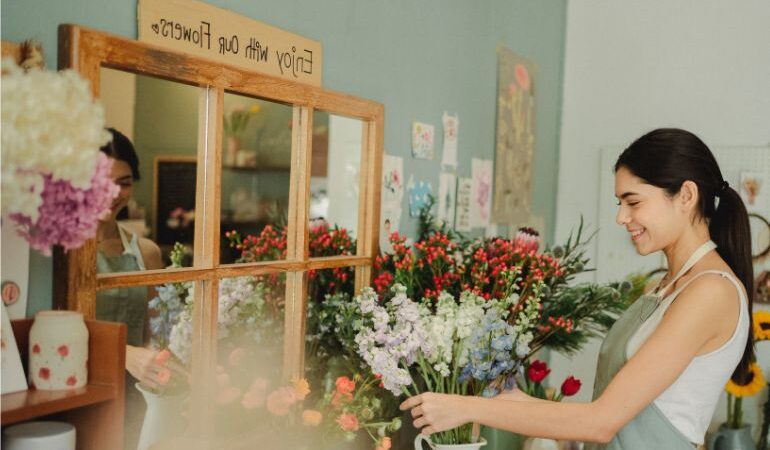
(311, 417)
(301, 388)
(383, 444)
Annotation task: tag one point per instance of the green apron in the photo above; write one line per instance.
(650, 429)
(125, 304)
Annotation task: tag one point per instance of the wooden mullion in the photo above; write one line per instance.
(203, 356)
(372, 165)
(297, 245)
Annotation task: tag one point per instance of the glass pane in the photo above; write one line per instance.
(256, 158)
(155, 320)
(154, 153)
(334, 186)
(329, 345)
(250, 352)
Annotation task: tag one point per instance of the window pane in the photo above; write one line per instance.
(256, 158)
(154, 164)
(334, 184)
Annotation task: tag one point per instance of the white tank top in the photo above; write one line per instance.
(689, 402)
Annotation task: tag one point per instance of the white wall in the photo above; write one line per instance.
(634, 66)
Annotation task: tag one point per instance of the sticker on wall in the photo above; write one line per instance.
(463, 212)
(422, 140)
(15, 264)
(752, 190)
(451, 126)
(419, 195)
(447, 193)
(391, 198)
(481, 198)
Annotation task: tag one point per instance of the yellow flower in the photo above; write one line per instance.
(753, 384)
(761, 325)
(254, 109)
(301, 388)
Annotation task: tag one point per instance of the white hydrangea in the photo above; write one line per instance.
(50, 125)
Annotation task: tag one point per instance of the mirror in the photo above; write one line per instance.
(156, 206)
(334, 184)
(256, 163)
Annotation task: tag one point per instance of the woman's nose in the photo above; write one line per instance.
(621, 217)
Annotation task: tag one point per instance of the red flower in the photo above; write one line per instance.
(36, 349)
(44, 373)
(537, 371)
(571, 386)
(345, 385)
(63, 351)
(71, 381)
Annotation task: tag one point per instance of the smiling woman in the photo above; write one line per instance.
(665, 361)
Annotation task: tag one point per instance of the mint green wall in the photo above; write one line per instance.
(417, 57)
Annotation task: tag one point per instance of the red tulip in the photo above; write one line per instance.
(537, 371)
(571, 386)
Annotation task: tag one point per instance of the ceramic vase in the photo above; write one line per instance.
(58, 351)
(162, 419)
(732, 439)
(421, 438)
(231, 150)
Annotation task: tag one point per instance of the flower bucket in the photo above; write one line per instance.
(163, 418)
(732, 439)
(418, 441)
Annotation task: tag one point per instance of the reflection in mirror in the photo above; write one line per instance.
(250, 330)
(154, 153)
(256, 158)
(333, 208)
(151, 314)
(330, 348)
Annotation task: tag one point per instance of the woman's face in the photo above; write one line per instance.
(650, 216)
(121, 175)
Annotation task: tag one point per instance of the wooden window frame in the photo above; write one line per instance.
(75, 279)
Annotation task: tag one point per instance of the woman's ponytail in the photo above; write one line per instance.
(729, 229)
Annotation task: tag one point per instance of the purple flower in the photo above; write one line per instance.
(68, 215)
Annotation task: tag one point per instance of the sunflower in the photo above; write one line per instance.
(754, 383)
(761, 325)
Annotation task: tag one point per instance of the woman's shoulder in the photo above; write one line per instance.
(150, 253)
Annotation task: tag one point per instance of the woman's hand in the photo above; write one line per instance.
(517, 395)
(150, 367)
(433, 412)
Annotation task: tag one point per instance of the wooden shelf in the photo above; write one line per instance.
(96, 410)
(256, 168)
(29, 404)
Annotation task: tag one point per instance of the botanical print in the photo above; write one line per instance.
(422, 140)
(481, 198)
(752, 190)
(515, 141)
(447, 190)
(463, 211)
(391, 198)
(449, 155)
(419, 194)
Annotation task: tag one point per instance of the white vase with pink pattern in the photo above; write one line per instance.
(58, 351)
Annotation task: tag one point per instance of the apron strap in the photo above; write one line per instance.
(691, 261)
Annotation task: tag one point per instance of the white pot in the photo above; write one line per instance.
(163, 418)
(58, 351)
(422, 438)
(540, 444)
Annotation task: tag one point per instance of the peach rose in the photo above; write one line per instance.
(345, 385)
(301, 388)
(311, 417)
(279, 401)
(348, 422)
(383, 444)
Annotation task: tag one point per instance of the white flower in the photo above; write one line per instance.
(50, 125)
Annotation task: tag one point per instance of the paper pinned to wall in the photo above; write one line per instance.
(391, 198)
(463, 211)
(423, 136)
(447, 198)
(10, 359)
(419, 195)
(752, 191)
(481, 199)
(451, 127)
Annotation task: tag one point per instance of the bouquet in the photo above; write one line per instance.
(235, 122)
(55, 182)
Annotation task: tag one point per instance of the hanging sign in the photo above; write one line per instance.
(205, 31)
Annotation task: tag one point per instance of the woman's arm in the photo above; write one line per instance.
(698, 317)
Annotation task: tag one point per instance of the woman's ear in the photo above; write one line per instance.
(688, 195)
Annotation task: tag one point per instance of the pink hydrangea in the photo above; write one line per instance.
(68, 215)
